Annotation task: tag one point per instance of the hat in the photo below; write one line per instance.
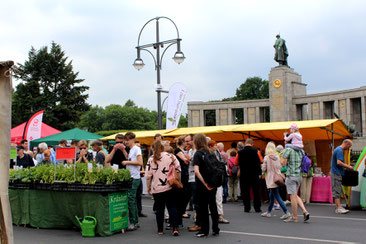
(20, 147)
(294, 127)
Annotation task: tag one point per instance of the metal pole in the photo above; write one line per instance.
(332, 139)
(160, 126)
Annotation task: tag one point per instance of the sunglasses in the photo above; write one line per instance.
(82, 148)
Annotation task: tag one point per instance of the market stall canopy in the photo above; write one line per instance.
(17, 132)
(218, 133)
(310, 130)
(73, 134)
(145, 137)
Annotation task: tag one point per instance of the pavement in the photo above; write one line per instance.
(324, 226)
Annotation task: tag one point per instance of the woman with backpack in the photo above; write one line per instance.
(233, 177)
(157, 169)
(272, 166)
(206, 195)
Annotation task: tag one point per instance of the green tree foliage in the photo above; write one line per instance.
(93, 119)
(115, 117)
(49, 83)
(252, 88)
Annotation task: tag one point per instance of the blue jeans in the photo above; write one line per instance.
(274, 194)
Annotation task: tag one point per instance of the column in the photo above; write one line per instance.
(202, 118)
(321, 110)
(310, 111)
(304, 113)
(336, 108)
(294, 112)
(229, 116)
(257, 115)
(217, 113)
(245, 114)
(190, 118)
(348, 111)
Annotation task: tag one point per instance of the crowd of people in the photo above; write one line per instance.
(274, 175)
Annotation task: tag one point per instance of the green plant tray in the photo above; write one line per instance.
(73, 187)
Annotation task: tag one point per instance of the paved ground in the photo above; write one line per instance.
(324, 227)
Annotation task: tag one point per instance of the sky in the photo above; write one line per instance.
(224, 42)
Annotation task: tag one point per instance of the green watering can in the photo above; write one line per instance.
(87, 226)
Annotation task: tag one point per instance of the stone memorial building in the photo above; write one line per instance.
(288, 101)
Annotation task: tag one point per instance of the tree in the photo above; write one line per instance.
(49, 83)
(93, 119)
(122, 118)
(183, 121)
(130, 103)
(252, 88)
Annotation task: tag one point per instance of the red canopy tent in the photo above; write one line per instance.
(17, 132)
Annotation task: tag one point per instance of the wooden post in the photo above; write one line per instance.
(4, 236)
(5, 124)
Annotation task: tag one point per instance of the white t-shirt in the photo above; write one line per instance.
(191, 175)
(132, 156)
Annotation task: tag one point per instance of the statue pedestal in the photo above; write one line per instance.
(284, 84)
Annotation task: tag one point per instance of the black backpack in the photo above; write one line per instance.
(215, 168)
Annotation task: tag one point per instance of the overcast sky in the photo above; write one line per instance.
(224, 42)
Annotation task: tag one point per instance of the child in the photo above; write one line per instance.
(134, 165)
(294, 139)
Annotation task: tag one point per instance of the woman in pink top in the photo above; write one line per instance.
(271, 165)
(157, 169)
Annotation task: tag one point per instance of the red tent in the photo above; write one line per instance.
(17, 132)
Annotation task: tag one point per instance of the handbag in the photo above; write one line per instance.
(350, 178)
(173, 179)
(278, 178)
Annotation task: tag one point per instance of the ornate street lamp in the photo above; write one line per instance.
(178, 58)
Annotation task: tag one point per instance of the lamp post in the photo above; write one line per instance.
(178, 57)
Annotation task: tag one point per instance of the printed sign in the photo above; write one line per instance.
(90, 167)
(115, 168)
(65, 153)
(13, 153)
(118, 210)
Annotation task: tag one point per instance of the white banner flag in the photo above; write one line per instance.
(177, 94)
(32, 129)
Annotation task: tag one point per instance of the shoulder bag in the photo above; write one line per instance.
(173, 179)
(278, 178)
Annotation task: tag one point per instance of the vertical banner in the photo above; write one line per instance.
(177, 94)
(32, 129)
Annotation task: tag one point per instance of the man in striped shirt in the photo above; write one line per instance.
(293, 158)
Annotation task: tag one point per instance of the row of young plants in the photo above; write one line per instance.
(45, 173)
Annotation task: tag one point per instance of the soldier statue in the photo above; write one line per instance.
(281, 51)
